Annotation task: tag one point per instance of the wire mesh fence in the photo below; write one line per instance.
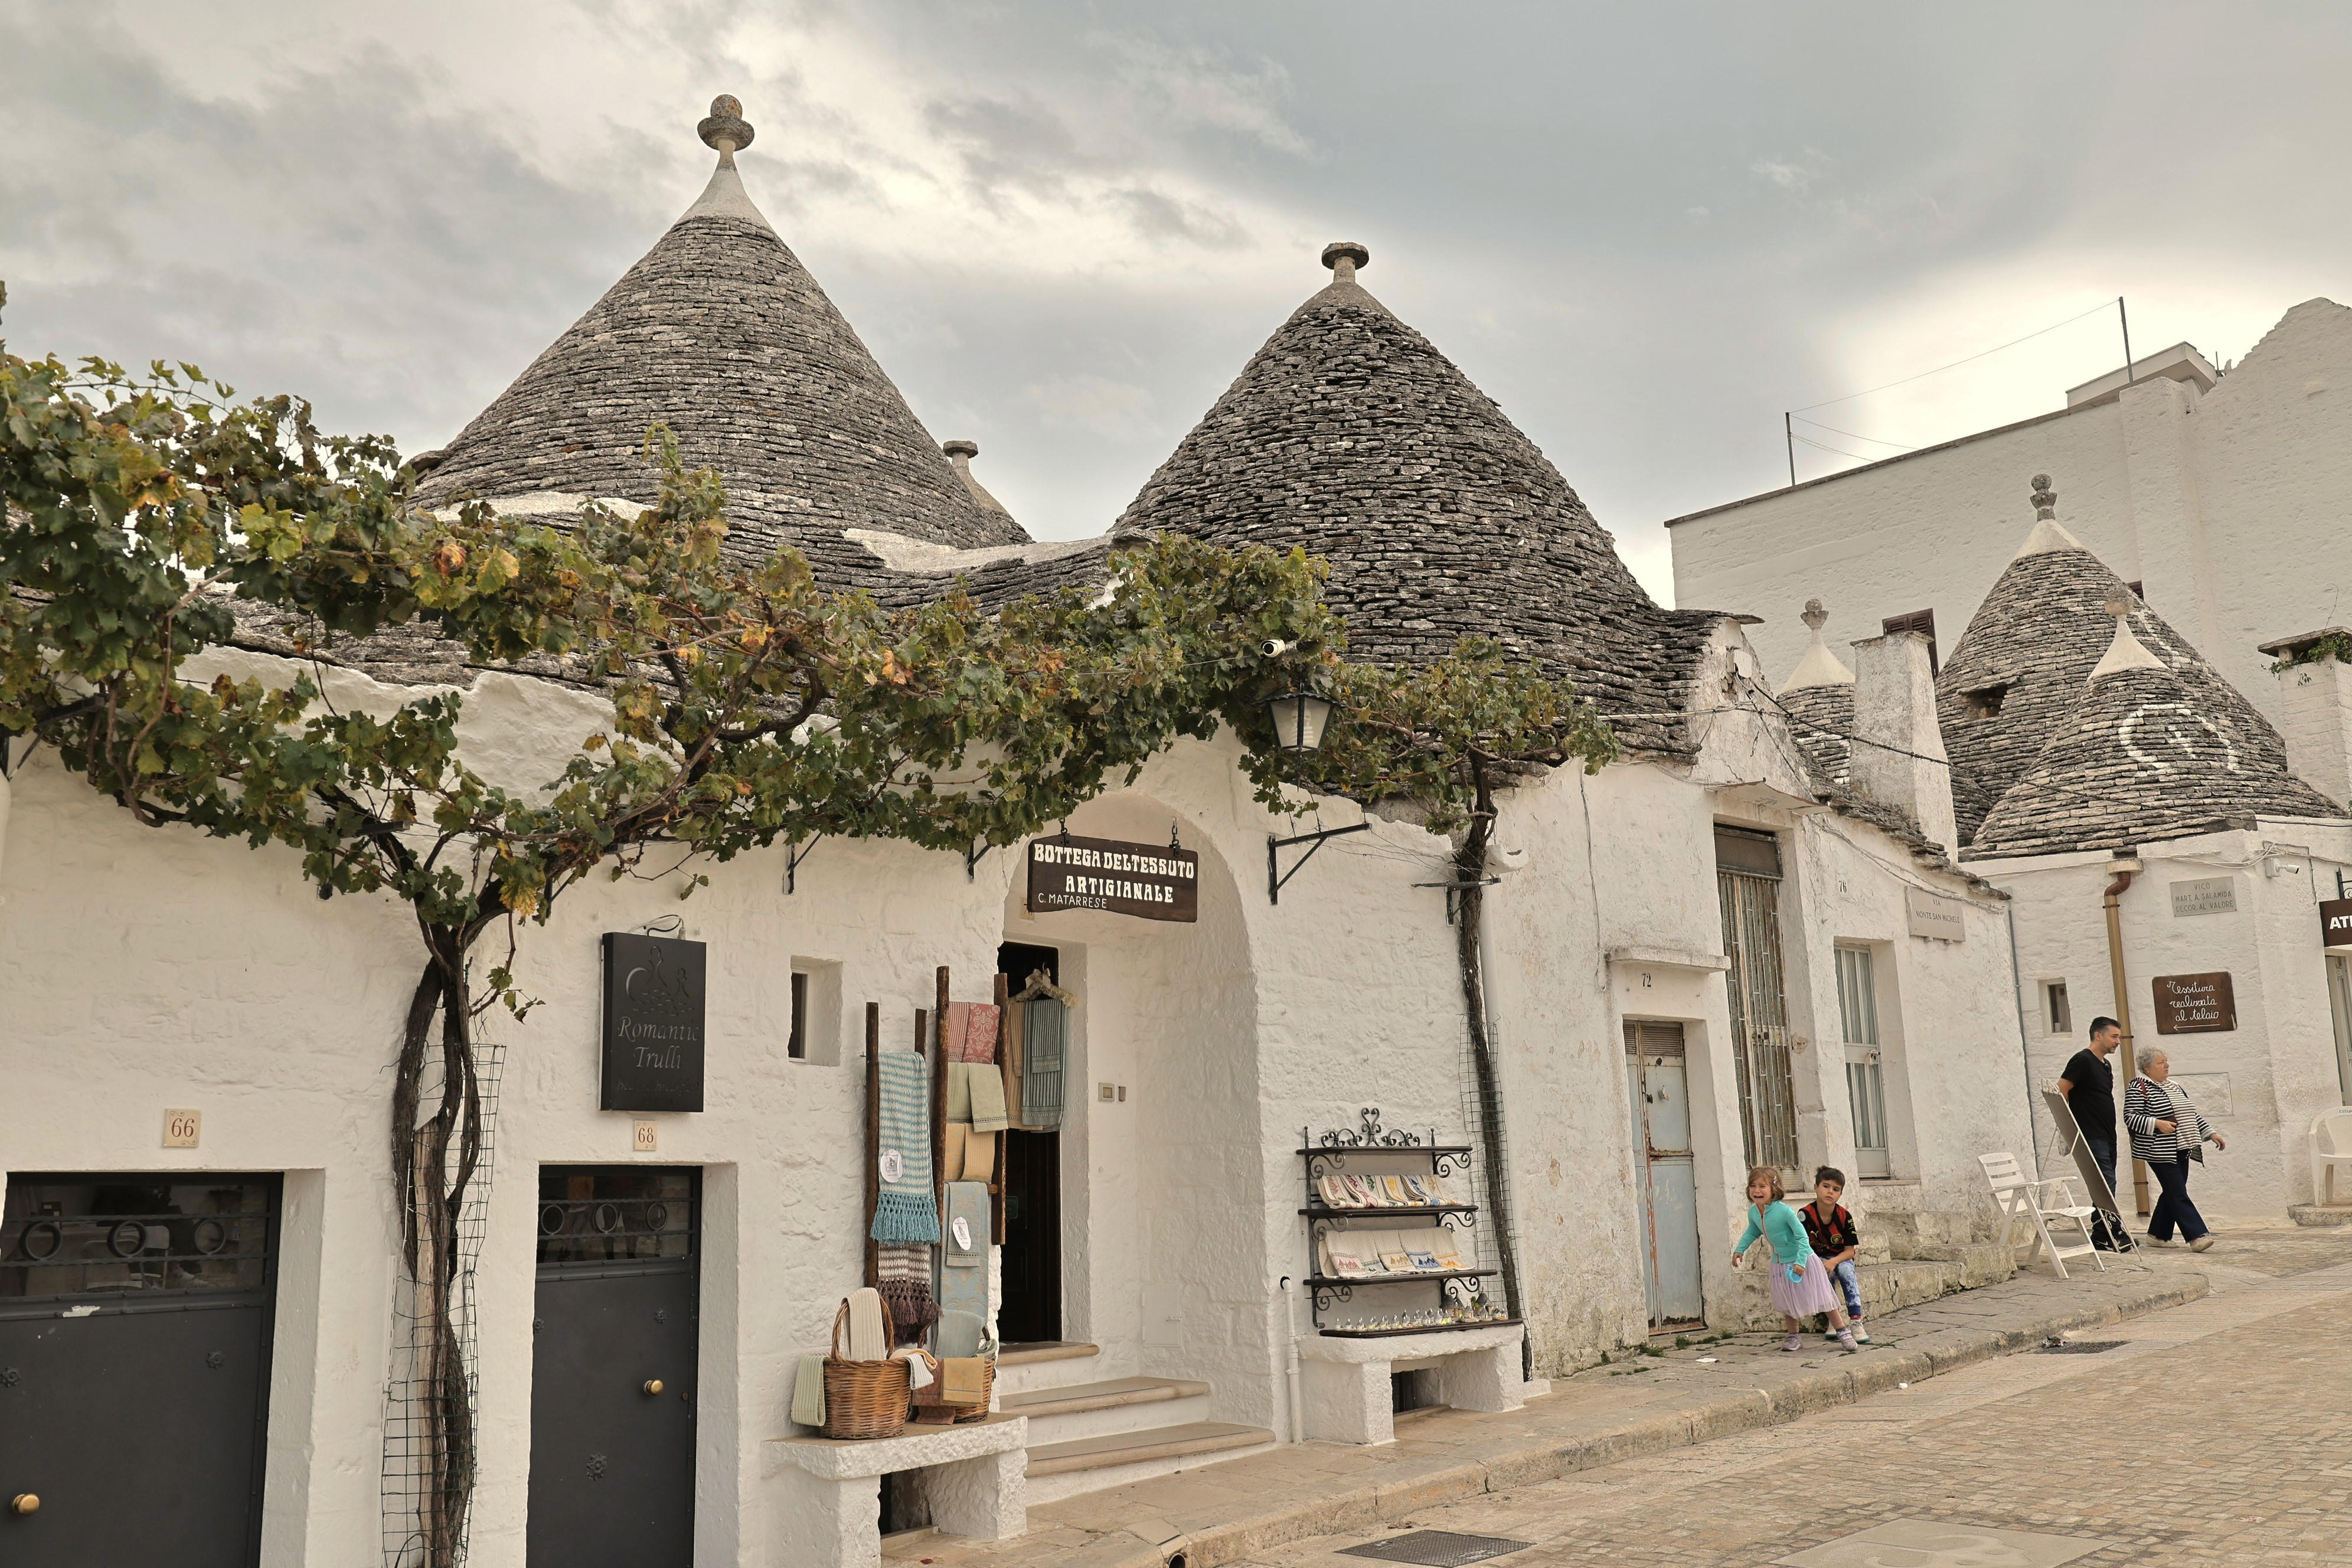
(433, 1396)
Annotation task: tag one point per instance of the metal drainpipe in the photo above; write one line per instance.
(2024, 1040)
(2123, 1010)
(1506, 1249)
(1290, 1347)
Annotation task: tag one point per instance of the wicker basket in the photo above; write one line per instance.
(864, 1400)
(930, 1408)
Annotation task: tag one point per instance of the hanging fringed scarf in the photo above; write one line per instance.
(904, 1209)
(903, 1275)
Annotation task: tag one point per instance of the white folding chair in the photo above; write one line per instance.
(2020, 1197)
(2331, 1145)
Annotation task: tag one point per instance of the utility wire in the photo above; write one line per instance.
(2098, 309)
(1858, 436)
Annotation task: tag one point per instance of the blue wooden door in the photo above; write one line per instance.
(1659, 1084)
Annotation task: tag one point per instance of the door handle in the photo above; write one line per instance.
(652, 1385)
(24, 1502)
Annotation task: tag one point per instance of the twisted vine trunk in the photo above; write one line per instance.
(1470, 871)
(436, 1151)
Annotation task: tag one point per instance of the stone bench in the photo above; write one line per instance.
(1347, 1398)
(829, 1494)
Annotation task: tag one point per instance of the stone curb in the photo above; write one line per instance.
(1511, 1463)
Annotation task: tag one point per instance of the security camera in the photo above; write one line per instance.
(1274, 647)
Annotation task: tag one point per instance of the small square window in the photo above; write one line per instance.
(1984, 702)
(2054, 1008)
(796, 1046)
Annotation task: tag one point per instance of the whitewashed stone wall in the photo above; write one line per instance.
(2220, 504)
(148, 968)
(2281, 1060)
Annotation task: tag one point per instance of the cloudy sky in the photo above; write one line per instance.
(1063, 226)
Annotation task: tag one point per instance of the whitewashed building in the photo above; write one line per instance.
(1709, 954)
(2219, 497)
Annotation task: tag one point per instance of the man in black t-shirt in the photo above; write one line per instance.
(2089, 1086)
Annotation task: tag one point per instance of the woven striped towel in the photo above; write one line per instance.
(905, 1209)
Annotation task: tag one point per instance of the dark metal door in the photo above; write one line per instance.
(612, 1390)
(135, 1315)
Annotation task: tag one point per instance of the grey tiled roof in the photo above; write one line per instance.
(2143, 757)
(2039, 631)
(1821, 718)
(721, 333)
(1349, 434)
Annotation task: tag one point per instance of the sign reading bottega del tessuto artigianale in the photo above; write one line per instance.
(1150, 881)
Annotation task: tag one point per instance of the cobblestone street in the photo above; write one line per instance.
(2216, 1432)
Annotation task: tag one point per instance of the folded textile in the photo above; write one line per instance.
(984, 1092)
(953, 1023)
(867, 1341)
(981, 1022)
(951, 1146)
(903, 1275)
(964, 1379)
(905, 1209)
(967, 1203)
(1044, 1025)
(920, 1368)
(980, 1157)
(808, 1392)
(959, 1103)
(959, 1335)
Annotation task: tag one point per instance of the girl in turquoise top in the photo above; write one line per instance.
(1800, 1285)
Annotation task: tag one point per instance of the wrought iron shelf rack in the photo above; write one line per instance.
(1334, 1149)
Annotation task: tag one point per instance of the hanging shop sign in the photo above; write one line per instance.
(1150, 881)
(2195, 1003)
(1933, 917)
(2335, 925)
(2205, 896)
(653, 1023)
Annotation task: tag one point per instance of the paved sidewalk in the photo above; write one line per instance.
(1646, 1404)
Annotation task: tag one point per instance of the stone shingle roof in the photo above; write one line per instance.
(1349, 434)
(2036, 638)
(720, 333)
(1821, 719)
(2141, 758)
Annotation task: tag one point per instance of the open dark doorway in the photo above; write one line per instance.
(1032, 1308)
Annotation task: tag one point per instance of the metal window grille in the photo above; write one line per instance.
(1759, 1016)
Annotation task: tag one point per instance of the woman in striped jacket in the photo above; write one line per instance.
(2167, 1133)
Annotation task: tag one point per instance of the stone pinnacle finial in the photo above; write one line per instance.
(960, 448)
(1815, 618)
(726, 129)
(1343, 257)
(2045, 499)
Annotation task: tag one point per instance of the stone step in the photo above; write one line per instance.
(2320, 1213)
(1978, 1262)
(1020, 1368)
(1100, 1409)
(1058, 1470)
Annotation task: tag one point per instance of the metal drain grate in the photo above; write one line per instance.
(1437, 1549)
(2078, 1347)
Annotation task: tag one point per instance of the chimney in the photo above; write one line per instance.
(960, 456)
(1898, 747)
(2315, 709)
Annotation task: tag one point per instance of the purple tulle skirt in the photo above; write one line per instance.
(1802, 1297)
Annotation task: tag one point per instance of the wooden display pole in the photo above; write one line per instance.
(873, 1136)
(939, 1099)
(1004, 995)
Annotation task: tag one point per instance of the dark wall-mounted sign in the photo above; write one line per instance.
(653, 1023)
(2335, 924)
(2195, 1003)
(1150, 881)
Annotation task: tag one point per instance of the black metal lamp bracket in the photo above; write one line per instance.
(1275, 876)
(794, 855)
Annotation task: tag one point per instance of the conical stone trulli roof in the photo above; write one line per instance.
(2036, 639)
(2140, 759)
(720, 333)
(1349, 434)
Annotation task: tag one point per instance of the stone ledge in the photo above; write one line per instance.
(2320, 1213)
(914, 1450)
(1405, 1347)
